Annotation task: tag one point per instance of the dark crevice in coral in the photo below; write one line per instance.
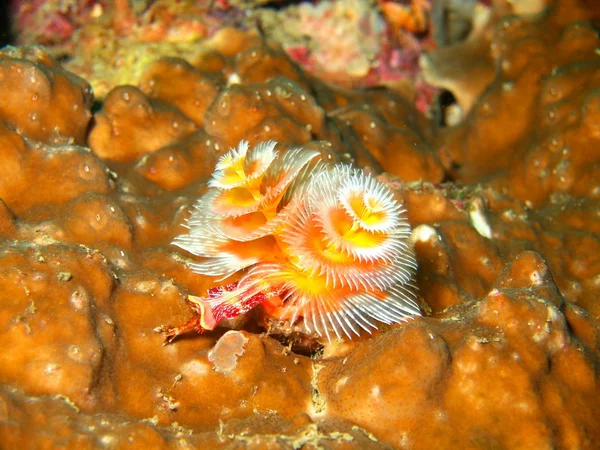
(64, 59)
(299, 346)
(6, 35)
(281, 4)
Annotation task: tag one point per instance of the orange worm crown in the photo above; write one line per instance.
(323, 243)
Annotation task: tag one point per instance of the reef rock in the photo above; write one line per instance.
(504, 208)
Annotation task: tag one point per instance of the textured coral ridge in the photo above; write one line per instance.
(506, 358)
(110, 43)
(334, 252)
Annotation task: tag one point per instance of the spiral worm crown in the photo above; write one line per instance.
(326, 244)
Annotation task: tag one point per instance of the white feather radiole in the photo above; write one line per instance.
(321, 243)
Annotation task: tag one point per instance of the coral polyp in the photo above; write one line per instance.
(313, 242)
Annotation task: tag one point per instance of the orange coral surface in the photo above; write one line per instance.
(506, 355)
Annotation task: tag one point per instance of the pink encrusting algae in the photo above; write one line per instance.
(318, 242)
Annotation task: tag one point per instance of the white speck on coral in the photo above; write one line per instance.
(454, 115)
(234, 78)
(107, 440)
(536, 278)
(404, 440)
(195, 368)
(340, 383)
(375, 391)
(51, 368)
(424, 233)
(440, 416)
(140, 220)
(478, 218)
(79, 299)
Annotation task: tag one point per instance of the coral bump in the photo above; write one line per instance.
(320, 244)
